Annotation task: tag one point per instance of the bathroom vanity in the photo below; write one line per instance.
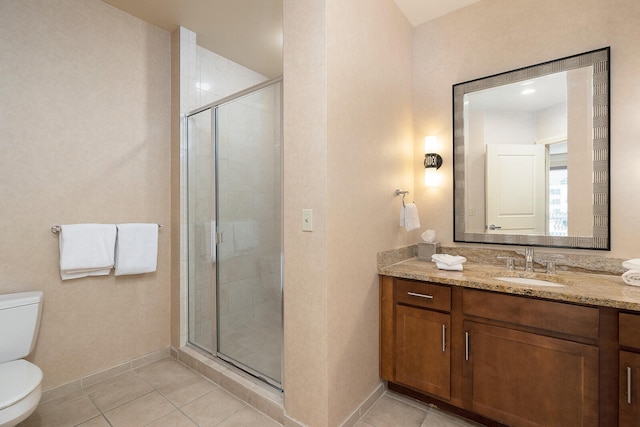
(518, 354)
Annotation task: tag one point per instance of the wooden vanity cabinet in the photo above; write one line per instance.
(503, 359)
(415, 335)
(422, 336)
(524, 362)
(629, 370)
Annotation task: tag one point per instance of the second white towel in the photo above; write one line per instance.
(448, 262)
(632, 277)
(409, 218)
(136, 249)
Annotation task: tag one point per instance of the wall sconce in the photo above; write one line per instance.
(432, 162)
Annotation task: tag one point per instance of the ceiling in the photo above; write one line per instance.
(249, 32)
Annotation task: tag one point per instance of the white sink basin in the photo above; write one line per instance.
(527, 281)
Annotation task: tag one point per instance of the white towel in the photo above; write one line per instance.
(136, 249)
(448, 262)
(447, 259)
(443, 266)
(86, 250)
(632, 264)
(632, 277)
(409, 217)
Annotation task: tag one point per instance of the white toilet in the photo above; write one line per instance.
(20, 380)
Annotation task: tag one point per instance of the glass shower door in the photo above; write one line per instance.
(201, 231)
(248, 219)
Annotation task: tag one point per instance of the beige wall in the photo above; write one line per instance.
(84, 137)
(348, 146)
(493, 36)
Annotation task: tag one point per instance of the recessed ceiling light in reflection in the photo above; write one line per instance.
(528, 91)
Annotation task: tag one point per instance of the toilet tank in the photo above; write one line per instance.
(19, 324)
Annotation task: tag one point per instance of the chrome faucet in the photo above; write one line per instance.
(528, 259)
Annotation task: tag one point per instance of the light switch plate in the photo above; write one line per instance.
(307, 220)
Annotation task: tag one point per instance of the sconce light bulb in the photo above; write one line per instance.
(430, 144)
(431, 177)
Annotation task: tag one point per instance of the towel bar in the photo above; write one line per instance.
(56, 228)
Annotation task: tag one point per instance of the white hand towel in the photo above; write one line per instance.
(449, 260)
(86, 250)
(409, 217)
(136, 249)
(443, 266)
(632, 277)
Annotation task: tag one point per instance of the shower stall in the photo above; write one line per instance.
(234, 211)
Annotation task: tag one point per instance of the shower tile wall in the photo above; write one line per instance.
(204, 78)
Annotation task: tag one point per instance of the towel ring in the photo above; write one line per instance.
(403, 193)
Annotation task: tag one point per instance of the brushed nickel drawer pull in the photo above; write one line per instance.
(413, 294)
(444, 338)
(466, 346)
(629, 385)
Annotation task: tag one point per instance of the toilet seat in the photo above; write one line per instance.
(19, 379)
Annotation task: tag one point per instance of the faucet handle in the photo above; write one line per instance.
(551, 267)
(510, 262)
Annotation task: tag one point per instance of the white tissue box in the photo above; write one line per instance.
(425, 250)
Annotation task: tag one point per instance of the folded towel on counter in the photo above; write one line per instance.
(409, 218)
(86, 250)
(448, 259)
(632, 277)
(136, 249)
(632, 264)
(455, 267)
(448, 262)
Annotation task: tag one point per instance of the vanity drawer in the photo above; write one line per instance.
(422, 294)
(629, 332)
(548, 315)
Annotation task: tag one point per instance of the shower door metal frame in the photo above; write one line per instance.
(213, 107)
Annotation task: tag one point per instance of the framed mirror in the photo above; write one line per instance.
(531, 155)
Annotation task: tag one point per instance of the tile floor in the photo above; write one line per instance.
(167, 393)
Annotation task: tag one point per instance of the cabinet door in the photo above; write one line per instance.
(629, 389)
(422, 353)
(525, 379)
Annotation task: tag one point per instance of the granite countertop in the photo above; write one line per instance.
(605, 290)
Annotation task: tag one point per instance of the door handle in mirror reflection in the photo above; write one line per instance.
(413, 294)
(494, 227)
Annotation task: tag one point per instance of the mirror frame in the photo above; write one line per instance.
(601, 238)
